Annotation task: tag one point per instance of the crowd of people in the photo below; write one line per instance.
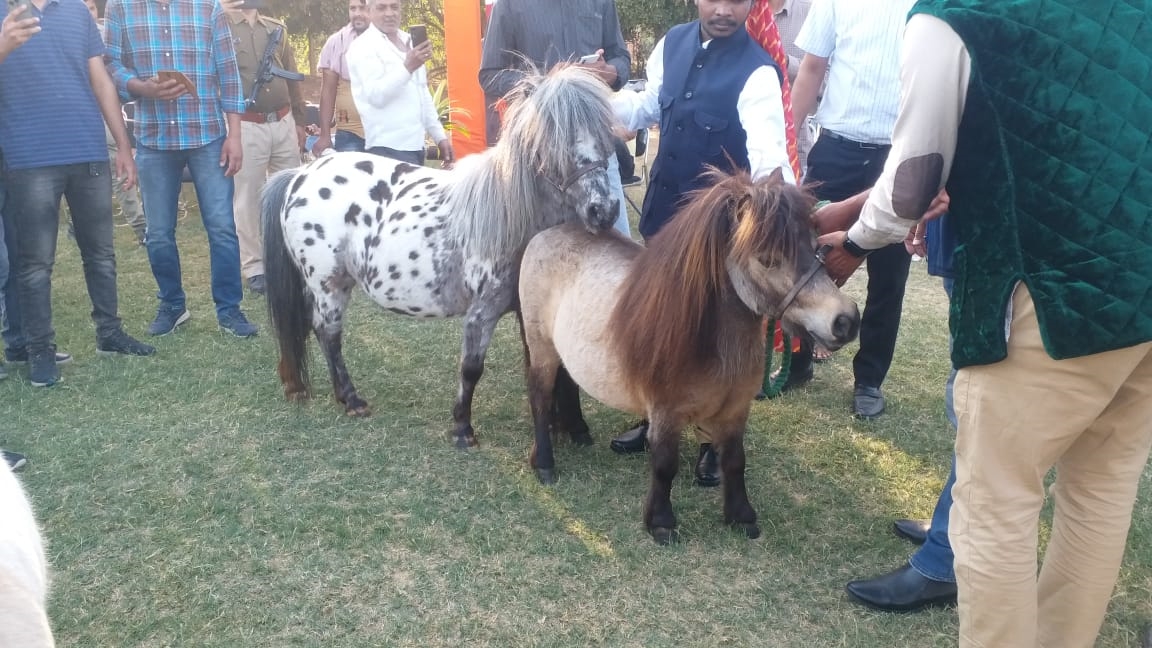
(922, 108)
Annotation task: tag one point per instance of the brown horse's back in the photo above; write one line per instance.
(570, 280)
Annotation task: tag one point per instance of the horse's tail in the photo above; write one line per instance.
(289, 300)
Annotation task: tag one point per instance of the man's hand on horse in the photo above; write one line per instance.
(839, 263)
(839, 216)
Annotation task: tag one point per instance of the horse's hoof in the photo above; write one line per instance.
(751, 530)
(664, 536)
(466, 442)
(296, 396)
(583, 439)
(547, 476)
(358, 411)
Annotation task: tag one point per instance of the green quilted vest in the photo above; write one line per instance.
(1052, 180)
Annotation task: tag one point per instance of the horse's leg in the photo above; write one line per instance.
(738, 511)
(479, 324)
(569, 417)
(541, 386)
(328, 323)
(664, 459)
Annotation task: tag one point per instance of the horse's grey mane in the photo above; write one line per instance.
(501, 197)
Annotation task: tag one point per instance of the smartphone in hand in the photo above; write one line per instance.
(419, 34)
(589, 59)
(18, 6)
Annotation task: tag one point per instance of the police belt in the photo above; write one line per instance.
(265, 118)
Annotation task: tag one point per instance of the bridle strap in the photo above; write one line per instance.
(786, 303)
(580, 172)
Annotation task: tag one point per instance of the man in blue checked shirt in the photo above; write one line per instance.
(178, 126)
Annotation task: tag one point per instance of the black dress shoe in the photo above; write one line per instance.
(914, 531)
(867, 402)
(904, 590)
(707, 467)
(633, 441)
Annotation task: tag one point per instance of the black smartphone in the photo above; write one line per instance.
(419, 34)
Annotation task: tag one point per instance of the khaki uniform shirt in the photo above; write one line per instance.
(250, 42)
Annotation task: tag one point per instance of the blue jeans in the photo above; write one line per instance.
(345, 141)
(934, 559)
(33, 219)
(160, 181)
(9, 308)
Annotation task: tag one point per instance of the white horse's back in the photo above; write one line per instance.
(23, 570)
(570, 283)
(381, 221)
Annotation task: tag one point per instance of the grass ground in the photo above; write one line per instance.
(186, 504)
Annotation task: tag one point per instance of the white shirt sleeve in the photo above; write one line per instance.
(761, 110)
(637, 110)
(818, 35)
(934, 72)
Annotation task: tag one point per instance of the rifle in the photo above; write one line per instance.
(269, 69)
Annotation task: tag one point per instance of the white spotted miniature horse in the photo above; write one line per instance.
(433, 243)
(23, 570)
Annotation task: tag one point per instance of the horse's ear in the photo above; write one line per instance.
(777, 176)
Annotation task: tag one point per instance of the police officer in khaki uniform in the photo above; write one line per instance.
(273, 133)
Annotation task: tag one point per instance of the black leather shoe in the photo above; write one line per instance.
(903, 590)
(634, 441)
(914, 531)
(867, 402)
(707, 467)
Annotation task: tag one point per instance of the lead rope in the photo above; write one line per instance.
(773, 387)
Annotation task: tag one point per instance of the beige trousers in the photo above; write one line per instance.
(1091, 419)
(268, 148)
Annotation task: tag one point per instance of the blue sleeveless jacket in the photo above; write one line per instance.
(699, 124)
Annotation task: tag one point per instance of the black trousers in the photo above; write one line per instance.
(840, 169)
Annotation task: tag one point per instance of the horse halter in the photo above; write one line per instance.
(786, 303)
(580, 172)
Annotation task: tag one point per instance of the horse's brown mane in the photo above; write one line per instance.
(667, 319)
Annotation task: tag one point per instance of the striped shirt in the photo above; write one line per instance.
(861, 41)
(789, 20)
(48, 111)
(190, 36)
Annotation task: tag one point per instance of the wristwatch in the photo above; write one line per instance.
(855, 250)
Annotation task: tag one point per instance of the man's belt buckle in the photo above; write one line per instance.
(271, 117)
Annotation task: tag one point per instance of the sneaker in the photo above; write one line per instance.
(256, 284)
(235, 323)
(120, 343)
(20, 356)
(43, 370)
(15, 460)
(631, 181)
(167, 319)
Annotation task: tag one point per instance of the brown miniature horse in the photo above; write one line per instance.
(674, 331)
